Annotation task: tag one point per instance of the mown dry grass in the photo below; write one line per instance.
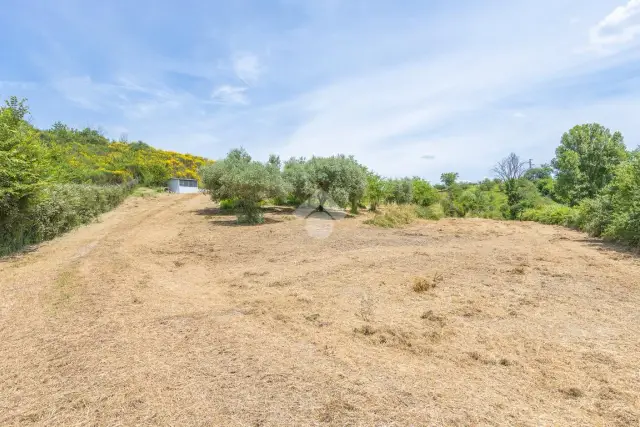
(165, 314)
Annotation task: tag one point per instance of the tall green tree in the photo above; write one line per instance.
(449, 178)
(586, 160)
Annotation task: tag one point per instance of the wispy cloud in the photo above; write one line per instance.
(227, 94)
(619, 27)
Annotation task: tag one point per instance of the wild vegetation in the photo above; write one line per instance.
(55, 179)
(593, 184)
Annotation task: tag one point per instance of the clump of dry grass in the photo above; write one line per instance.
(366, 330)
(519, 270)
(429, 315)
(423, 284)
(573, 392)
(394, 217)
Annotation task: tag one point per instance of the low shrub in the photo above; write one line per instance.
(553, 214)
(227, 204)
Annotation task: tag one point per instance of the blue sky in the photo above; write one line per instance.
(411, 87)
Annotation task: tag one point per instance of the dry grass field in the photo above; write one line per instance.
(166, 313)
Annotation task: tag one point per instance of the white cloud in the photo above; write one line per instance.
(519, 115)
(247, 67)
(227, 94)
(620, 27)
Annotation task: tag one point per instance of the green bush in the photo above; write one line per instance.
(227, 204)
(553, 214)
(615, 213)
(595, 215)
(433, 212)
(58, 209)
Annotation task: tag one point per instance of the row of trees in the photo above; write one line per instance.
(593, 183)
(339, 179)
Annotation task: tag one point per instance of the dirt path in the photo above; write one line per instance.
(163, 314)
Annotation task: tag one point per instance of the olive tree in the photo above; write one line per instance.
(399, 191)
(245, 180)
(297, 175)
(340, 177)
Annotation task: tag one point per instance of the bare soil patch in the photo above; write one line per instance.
(157, 316)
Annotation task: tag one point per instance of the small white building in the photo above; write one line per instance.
(183, 185)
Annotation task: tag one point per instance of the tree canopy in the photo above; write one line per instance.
(586, 160)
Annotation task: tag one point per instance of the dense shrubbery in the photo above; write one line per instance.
(58, 208)
(615, 212)
(553, 214)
